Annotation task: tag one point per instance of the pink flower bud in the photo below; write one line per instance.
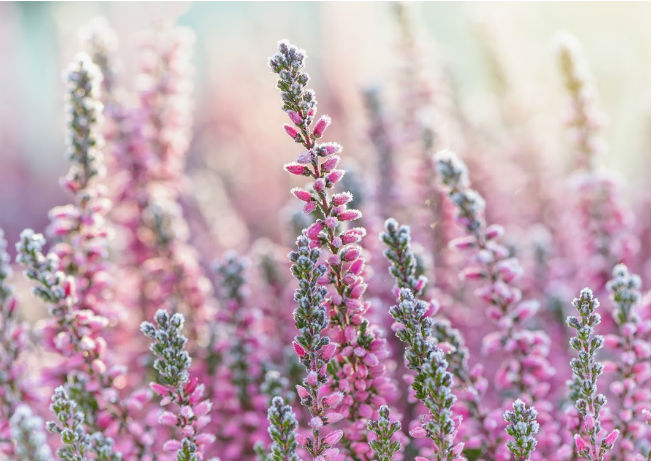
(167, 419)
(612, 437)
(294, 117)
(330, 148)
(333, 437)
(296, 168)
(333, 399)
(205, 439)
(300, 351)
(301, 194)
(580, 443)
(335, 176)
(350, 215)
(314, 230)
(312, 378)
(330, 163)
(159, 389)
(342, 198)
(494, 231)
(172, 445)
(329, 351)
(418, 432)
(321, 125)
(291, 131)
(334, 417)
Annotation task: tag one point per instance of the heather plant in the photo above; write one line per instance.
(283, 335)
(356, 371)
(586, 369)
(174, 386)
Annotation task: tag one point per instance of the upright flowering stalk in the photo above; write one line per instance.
(583, 119)
(633, 367)
(357, 371)
(174, 385)
(238, 380)
(28, 437)
(14, 388)
(471, 383)
(384, 446)
(523, 427)
(78, 445)
(282, 430)
(586, 369)
(526, 367)
(433, 381)
(314, 350)
(380, 135)
(524, 371)
(73, 277)
(600, 208)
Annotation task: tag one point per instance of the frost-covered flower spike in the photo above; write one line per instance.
(314, 349)
(29, 440)
(491, 264)
(282, 430)
(78, 445)
(523, 427)
(583, 118)
(385, 445)
(174, 385)
(632, 385)
(343, 257)
(586, 369)
(402, 268)
(433, 382)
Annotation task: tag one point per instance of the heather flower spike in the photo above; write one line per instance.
(384, 446)
(28, 437)
(433, 382)
(586, 369)
(402, 268)
(363, 392)
(633, 367)
(523, 427)
(174, 385)
(493, 267)
(282, 430)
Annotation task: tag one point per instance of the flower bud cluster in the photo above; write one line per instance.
(433, 381)
(586, 369)
(174, 385)
(523, 427)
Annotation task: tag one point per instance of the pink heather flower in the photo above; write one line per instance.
(294, 117)
(295, 168)
(291, 131)
(321, 125)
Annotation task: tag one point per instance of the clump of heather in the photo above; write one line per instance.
(147, 341)
(586, 369)
(357, 371)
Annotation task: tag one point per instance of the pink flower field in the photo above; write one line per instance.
(198, 263)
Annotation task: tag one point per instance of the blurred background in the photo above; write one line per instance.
(487, 52)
